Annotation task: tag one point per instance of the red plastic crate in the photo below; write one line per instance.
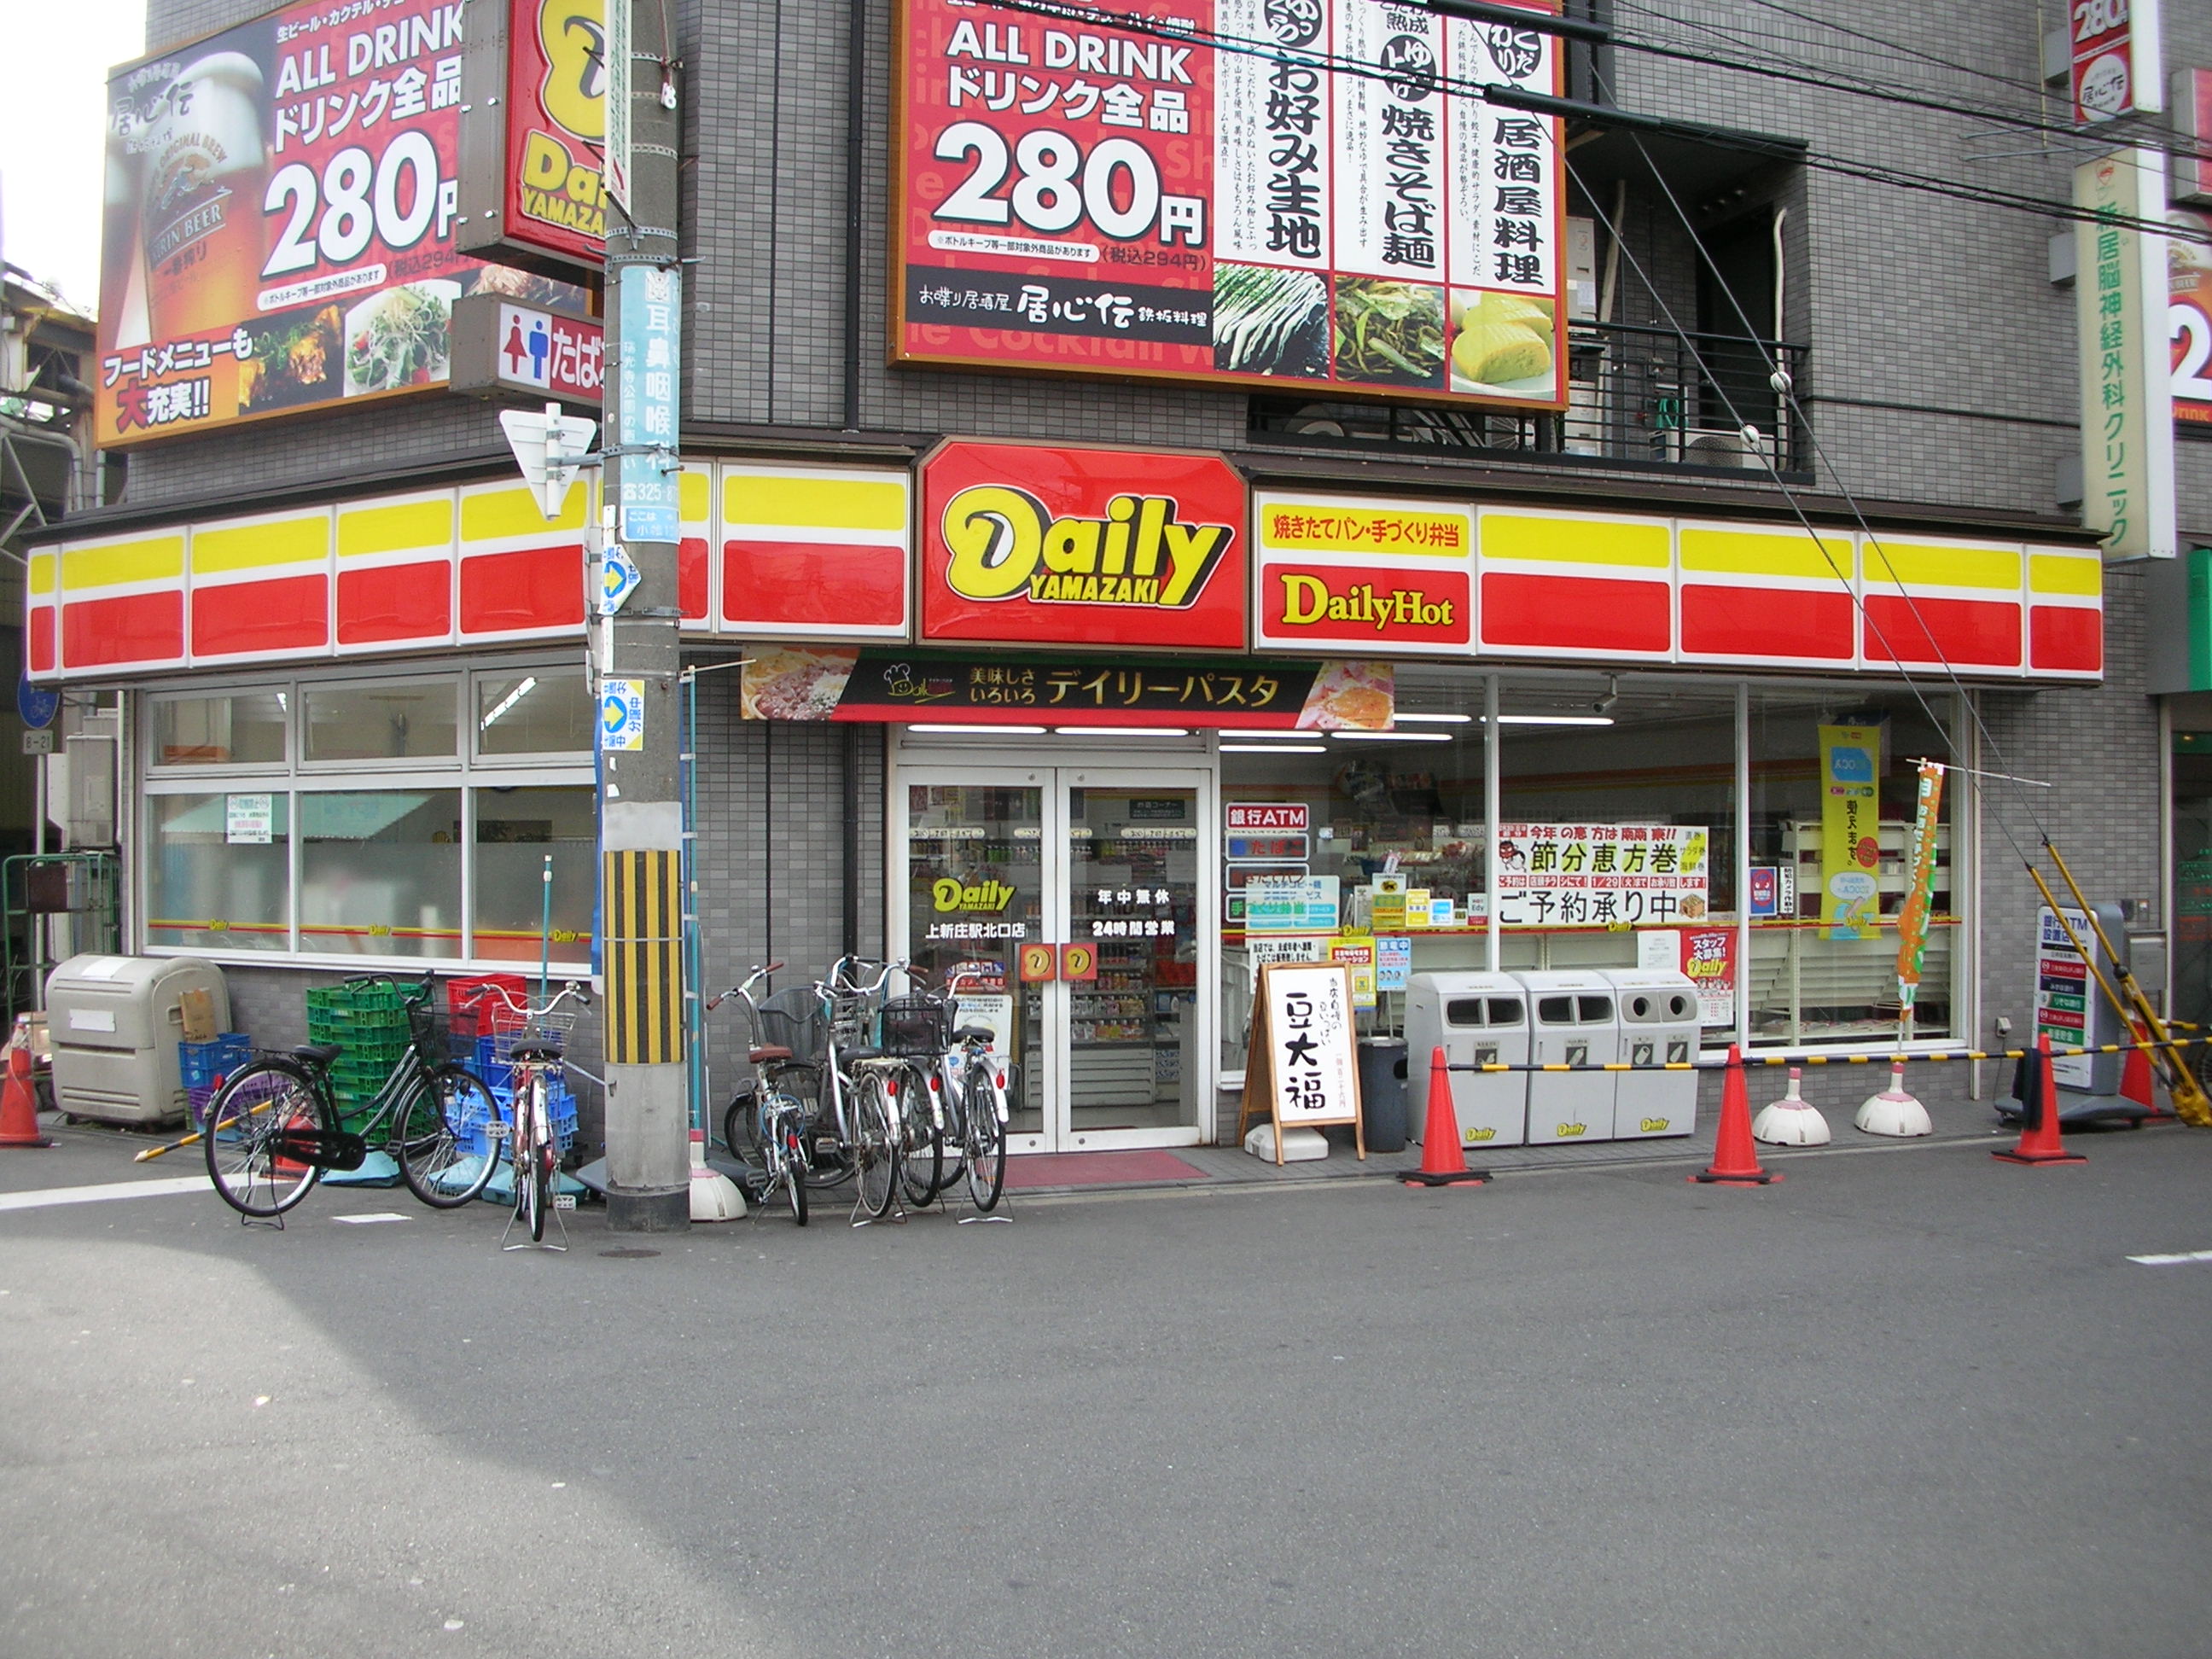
(485, 1003)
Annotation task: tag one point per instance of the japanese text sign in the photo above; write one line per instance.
(1245, 191)
(652, 303)
(2115, 59)
(1601, 875)
(1308, 1031)
(501, 346)
(2127, 373)
(1082, 546)
(279, 219)
(533, 125)
(1851, 832)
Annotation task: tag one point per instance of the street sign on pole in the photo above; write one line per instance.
(618, 579)
(550, 448)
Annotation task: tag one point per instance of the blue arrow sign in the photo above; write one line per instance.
(618, 579)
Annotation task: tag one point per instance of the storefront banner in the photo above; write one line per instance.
(533, 125)
(1851, 832)
(822, 683)
(1919, 883)
(2115, 51)
(1082, 547)
(1394, 575)
(1240, 190)
(1601, 875)
(2189, 315)
(279, 229)
(2127, 372)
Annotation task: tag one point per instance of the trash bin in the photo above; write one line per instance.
(1476, 1018)
(116, 1023)
(1574, 1024)
(1383, 1093)
(1658, 1027)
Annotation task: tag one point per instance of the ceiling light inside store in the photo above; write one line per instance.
(1405, 715)
(528, 685)
(984, 730)
(1555, 719)
(1274, 749)
(1392, 736)
(1122, 731)
(1286, 734)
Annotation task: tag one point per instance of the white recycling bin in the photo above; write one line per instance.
(1658, 1011)
(116, 1021)
(1573, 1022)
(1476, 1018)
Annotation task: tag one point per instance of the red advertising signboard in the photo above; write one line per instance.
(1082, 547)
(2116, 64)
(1297, 195)
(533, 126)
(2189, 315)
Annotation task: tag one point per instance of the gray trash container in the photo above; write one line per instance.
(1383, 1093)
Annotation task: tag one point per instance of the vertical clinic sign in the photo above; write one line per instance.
(2127, 372)
(1296, 194)
(2116, 67)
(279, 215)
(651, 304)
(1851, 832)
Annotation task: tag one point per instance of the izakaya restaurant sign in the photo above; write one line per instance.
(279, 219)
(1082, 546)
(1245, 190)
(826, 684)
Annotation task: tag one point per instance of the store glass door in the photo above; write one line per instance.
(1108, 869)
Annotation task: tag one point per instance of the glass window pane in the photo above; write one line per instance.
(1830, 971)
(239, 728)
(516, 830)
(380, 872)
(211, 883)
(547, 711)
(381, 720)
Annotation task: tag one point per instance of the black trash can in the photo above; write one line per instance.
(1383, 1092)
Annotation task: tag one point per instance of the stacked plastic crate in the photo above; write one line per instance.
(206, 1065)
(368, 1025)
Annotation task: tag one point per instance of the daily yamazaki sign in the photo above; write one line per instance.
(1082, 547)
(532, 131)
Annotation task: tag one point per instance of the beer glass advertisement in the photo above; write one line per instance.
(1298, 193)
(278, 229)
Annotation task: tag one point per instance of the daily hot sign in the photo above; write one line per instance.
(1082, 547)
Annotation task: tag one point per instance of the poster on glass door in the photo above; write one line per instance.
(1601, 875)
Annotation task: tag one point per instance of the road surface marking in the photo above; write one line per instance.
(38, 1201)
(372, 1215)
(2162, 1261)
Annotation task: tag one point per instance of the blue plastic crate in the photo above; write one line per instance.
(561, 1107)
(205, 1064)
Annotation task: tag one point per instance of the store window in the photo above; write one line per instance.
(237, 728)
(386, 838)
(219, 871)
(538, 712)
(381, 720)
(1834, 784)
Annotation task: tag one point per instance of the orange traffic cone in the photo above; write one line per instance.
(1735, 1162)
(19, 1107)
(1442, 1163)
(2038, 1114)
(2135, 1077)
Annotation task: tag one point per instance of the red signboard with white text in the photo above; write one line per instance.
(2117, 68)
(1082, 547)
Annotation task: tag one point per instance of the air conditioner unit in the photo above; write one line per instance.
(1724, 446)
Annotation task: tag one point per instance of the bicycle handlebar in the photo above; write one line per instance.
(744, 987)
(573, 988)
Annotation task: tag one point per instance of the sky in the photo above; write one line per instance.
(59, 53)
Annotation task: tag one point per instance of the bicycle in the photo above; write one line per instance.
(274, 1126)
(533, 1148)
(767, 1117)
(862, 1110)
(975, 1089)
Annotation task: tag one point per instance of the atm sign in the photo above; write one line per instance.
(1288, 817)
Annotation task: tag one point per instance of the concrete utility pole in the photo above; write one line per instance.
(641, 811)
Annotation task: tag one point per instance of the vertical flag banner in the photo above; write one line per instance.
(1851, 832)
(2121, 313)
(1920, 887)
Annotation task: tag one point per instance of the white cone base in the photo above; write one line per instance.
(1898, 1115)
(1790, 1123)
(715, 1197)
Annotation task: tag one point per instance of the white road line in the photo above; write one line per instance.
(363, 1220)
(38, 1201)
(2165, 1261)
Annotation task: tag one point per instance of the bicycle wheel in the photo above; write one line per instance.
(875, 1145)
(741, 1125)
(244, 1128)
(986, 1136)
(921, 1143)
(790, 1141)
(535, 1158)
(443, 1139)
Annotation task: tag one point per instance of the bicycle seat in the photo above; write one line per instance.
(975, 1034)
(318, 1053)
(857, 1054)
(538, 1049)
(767, 1052)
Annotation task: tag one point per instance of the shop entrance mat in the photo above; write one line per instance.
(1034, 1169)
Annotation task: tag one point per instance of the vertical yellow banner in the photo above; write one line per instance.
(1920, 884)
(1851, 832)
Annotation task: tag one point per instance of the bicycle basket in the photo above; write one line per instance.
(794, 1019)
(852, 1017)
(918, 1027)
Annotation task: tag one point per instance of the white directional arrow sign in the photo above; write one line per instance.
(550, 448)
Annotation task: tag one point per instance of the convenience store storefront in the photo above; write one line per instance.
(1146, 725)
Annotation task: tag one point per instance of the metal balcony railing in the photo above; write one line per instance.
(1636, 397)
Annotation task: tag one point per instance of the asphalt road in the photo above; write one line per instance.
(1911, 1402)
